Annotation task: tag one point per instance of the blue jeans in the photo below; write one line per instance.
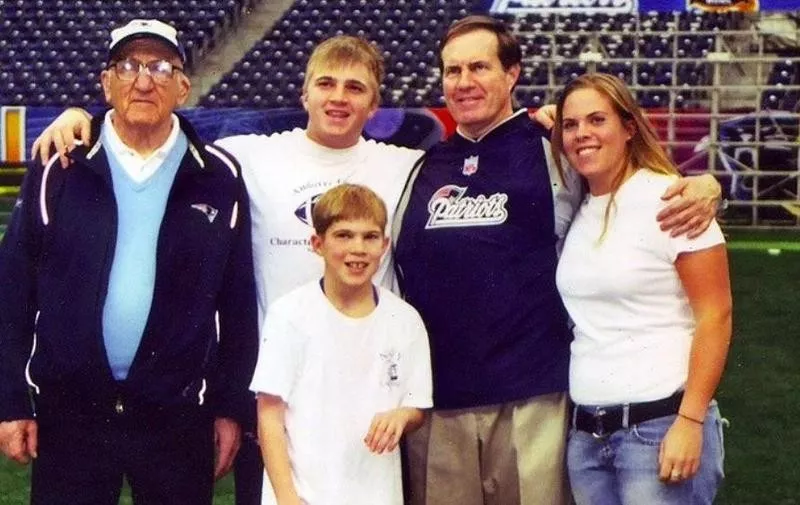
(622, 468)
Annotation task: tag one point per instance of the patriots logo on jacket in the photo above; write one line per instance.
(208, 210)
(450, 207)
(303, 211)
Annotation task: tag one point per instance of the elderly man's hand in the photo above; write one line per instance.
(227, 438)
(19, 440)
(73, 124)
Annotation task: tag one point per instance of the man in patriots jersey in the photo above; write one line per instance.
(476, 237)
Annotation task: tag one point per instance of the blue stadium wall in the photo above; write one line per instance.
(417, 128)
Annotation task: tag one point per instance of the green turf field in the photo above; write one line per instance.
(14, 487)
(759, 394)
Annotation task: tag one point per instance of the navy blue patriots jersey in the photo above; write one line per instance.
(476, 256)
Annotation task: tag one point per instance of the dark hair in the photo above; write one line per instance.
(509, 51)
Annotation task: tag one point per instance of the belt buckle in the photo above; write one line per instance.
(599, 433)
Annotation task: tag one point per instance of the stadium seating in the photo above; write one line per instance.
(51, 51)
(636, 48)
(405, 30)
(784, 73)
(271, 74)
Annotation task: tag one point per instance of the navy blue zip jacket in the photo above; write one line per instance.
(199, 346)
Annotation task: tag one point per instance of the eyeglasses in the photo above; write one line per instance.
(160, 70)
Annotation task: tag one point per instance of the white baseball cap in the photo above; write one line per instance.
(145, 28)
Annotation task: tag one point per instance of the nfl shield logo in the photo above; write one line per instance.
(470, 165)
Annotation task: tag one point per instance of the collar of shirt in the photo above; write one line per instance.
(493, 128)
(332, 155)
(136, 166)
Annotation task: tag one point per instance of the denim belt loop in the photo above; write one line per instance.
(600, 431)
(626, 414)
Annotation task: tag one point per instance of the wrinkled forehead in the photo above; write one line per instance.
(471, 46)
(148, 49)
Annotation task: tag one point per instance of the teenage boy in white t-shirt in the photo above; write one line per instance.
(343, 368)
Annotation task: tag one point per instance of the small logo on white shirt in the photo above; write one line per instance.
(470, 165)
(208, 210)
(449, 208)
(391, 360)
(304, 210)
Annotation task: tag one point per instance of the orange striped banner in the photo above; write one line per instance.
(12, 127)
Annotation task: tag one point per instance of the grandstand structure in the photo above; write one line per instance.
(722, 88)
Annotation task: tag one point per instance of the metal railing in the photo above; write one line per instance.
(720, 124)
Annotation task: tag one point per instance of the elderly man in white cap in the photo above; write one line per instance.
(128, 327)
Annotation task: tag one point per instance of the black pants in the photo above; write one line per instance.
(248, 471)
(83, 462)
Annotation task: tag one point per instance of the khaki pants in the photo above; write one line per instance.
(506, 454)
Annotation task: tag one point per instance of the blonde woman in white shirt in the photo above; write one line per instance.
(652, 314)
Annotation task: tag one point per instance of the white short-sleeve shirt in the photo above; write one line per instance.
(335, 373)
(633, 323)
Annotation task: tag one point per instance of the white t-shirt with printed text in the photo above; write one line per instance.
(633, 323)
(285, 173)
(335, 373)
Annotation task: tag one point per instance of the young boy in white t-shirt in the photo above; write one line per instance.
(343, 369)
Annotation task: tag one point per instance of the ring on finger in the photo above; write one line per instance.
(675, 475)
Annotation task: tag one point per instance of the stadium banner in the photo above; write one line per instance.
(780, 5)
(723, 5)
(521, 7)
(719, 5)
(12, 126)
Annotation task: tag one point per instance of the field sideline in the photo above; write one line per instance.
(759, 394)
